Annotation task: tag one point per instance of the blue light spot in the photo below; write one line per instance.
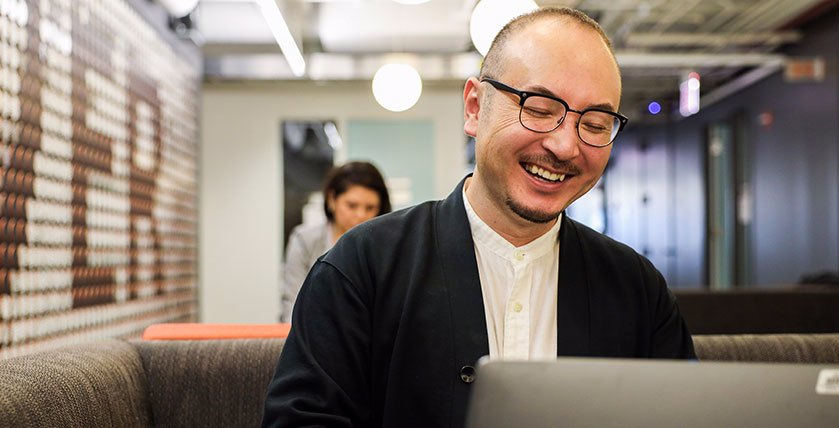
(654, 108)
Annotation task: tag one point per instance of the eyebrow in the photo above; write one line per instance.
(539, 89)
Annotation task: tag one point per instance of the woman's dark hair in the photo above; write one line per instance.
(363, 174)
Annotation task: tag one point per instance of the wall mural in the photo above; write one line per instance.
(98, 175)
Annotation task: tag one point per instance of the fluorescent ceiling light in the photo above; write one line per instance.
(279, 28)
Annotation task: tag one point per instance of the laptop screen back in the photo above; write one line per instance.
(574, 392)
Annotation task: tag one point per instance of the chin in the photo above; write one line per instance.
(532, 215)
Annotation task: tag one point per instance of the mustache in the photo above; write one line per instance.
(553, 162)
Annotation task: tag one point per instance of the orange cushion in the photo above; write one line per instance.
(199, 331)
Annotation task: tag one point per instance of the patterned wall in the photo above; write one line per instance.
(98, 175)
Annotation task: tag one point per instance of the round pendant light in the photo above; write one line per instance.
(397, 86)
(490, 16)
(179, 8)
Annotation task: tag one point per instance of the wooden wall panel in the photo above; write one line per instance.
(98, 175)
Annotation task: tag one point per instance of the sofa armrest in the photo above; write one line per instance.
(789, 348)
(208, 383)
(99, 384)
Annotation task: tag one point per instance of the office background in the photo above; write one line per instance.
(780, 206)
(742, 194)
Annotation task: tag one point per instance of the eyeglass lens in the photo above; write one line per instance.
(543, 114)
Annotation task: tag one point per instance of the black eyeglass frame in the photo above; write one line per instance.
(524, 95)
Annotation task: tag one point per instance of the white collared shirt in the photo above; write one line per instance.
(519, 286)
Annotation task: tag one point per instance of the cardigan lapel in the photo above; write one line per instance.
(460, 270)
(573, 315)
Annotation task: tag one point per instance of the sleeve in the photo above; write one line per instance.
(670, 337)
(322, 378)
(297, 265)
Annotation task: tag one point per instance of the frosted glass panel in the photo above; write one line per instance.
(404, 152)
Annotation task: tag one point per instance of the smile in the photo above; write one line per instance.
(543, 174)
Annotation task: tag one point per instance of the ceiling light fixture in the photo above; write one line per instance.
(689, 95)
(489, 16)
(654, 108)
(279, 28)
(397, 86)
(179, 8)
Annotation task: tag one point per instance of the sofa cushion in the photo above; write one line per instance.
(208, 383)
(88, 385)
(789, 348)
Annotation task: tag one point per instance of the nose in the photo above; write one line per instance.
(564, 142)
(361, 215)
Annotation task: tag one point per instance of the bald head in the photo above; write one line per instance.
(493, 62)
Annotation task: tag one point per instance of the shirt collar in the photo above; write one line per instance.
(483, 235)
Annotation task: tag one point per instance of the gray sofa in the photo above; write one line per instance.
(220, 383)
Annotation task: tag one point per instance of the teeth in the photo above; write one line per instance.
(533, 169)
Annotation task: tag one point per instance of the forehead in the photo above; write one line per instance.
(358, 192)
(570, 59)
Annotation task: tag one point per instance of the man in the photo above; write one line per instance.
(390, 323)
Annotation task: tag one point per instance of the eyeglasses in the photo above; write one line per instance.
(544, 113)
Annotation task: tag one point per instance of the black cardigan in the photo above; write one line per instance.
(390, 321)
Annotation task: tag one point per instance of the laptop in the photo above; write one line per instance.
(603, 393)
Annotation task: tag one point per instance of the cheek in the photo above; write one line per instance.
(497, 117)
(499, 135)
(507, 121)
(601, 158)
(596, 161)
(343, 212)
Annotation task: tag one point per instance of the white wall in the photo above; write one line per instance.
(241, 178)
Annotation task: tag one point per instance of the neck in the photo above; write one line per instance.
(337, 232)
(500, 218)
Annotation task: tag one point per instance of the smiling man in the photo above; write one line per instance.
(389, 324)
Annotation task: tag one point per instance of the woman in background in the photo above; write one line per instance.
(352, 194)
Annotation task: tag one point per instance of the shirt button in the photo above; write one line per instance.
(518, 255)
(517, 307)
(467, 374)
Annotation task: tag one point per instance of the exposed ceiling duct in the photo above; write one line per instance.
(657, 42)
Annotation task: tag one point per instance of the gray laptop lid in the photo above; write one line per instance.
(575, 392)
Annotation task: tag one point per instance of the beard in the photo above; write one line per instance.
(531, 215)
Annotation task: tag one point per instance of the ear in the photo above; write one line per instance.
(471, 106)
(330, 201)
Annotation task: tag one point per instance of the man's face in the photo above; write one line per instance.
(559, 58)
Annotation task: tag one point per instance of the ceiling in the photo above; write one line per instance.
(657, 42)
